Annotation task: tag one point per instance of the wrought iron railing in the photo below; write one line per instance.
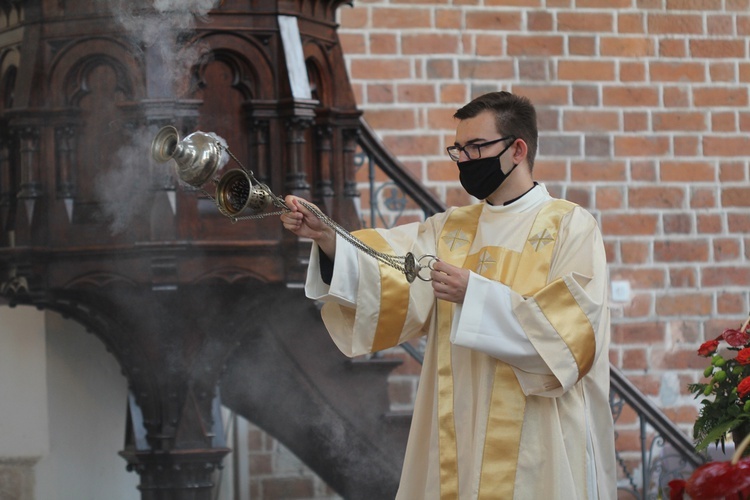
(651, 450)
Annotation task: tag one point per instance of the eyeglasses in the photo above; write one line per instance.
(473, 151)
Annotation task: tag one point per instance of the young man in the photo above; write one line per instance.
(513, 400)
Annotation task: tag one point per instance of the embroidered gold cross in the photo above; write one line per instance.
(485, 262)
(539, 240)
(456, 239)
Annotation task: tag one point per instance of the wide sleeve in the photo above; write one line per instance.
(552, 337)
(370, 306)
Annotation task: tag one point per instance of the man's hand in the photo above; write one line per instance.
(306, 224)
(449, 282)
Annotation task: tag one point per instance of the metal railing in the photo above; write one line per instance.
(663, 452)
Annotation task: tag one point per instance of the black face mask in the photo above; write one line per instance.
(481, 177)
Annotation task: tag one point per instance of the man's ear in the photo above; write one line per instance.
(520, 150)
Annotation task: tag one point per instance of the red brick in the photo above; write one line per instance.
(720, 96)
(579, 196)
(380, 93)
(732, 171)
(586, 70)
(687, 171)
(730, 303)
(393, 119)
(489, 45)
(449, 18)
(722, 72)
(673, 120)
(708, 223)
(542, 95)
(550, 170)
(585, 21)
(629, 146)
(539, 21)
(656, 197)
(585, 95)
(453, 93)
(627, 46)
(735, 197)
(720, 25)
(535, 45)
(677, 223)
(723, 121)
(659, 24)
(609, 198)
(643, 171)
(638, 333)
(634, 121)
(390, 69)
(681, 250)
(591, 121)
(631, 23)
(672, 47)
(355, 17)
(440, 69)
(395, 17)
(415, 92)
(686, 145)
(694, 5)
(628, 96)
(582, 45)
(441, 171)
(717, 48)
(726, 249)
(629, 224)
(493, 20)
(688, 304)
(486, 70)
(429, 43)
(633, 359)
(676, 97)
(632, 71)
(634, 252)
(383, 43)
(726, 146)
(413, 145)
(722, 276)
(668, 71)
(738, 222)
(353, 43)
(682, 277)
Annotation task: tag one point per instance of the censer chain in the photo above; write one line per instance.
(394, 261)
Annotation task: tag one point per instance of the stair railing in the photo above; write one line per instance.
(664, 451)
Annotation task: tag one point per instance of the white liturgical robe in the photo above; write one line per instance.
(513, 398)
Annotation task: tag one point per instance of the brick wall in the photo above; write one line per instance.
(644, 116)
(643, 111)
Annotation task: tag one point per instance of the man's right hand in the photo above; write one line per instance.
(306, 224)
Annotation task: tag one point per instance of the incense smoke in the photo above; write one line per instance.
(158, 36)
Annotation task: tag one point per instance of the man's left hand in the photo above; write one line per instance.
(449, 282)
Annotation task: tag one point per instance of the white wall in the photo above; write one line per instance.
(23, 384)
(68, 406)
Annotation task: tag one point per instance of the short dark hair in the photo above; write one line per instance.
(514, 115)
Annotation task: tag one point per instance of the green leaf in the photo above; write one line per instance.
(717, 434)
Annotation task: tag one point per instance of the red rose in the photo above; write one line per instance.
(743, 357)
(677, 489)
(708, 348)
(735, 338)
(743, 388)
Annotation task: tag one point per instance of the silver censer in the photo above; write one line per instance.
(200, 155)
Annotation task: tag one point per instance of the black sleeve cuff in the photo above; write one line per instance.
(326, 267)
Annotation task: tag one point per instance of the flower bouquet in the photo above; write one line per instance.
(729, 384)
(717, 480)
